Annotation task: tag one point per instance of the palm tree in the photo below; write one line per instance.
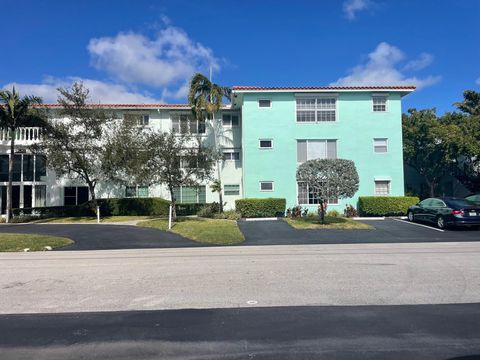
(15, 112)
(206, 97)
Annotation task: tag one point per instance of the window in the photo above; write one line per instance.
(231, 190)
(382, 187)
(27, 167)
(231, 155)
(190, 194)
(308, 196)
(266, 185)
(185, 124)
(40, 195)
(265, 144)
(75, 195)
(319, 109)
(230, 120)
(379, 103)
(24, 165)
(136, 191)
(139, 119)
(264, 103)
(316, 149)
(380, 145)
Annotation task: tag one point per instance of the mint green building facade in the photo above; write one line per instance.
(281, 127)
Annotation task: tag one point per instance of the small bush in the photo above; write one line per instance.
(269, 207)
(333, 213)
(350, 211)
(385, 205)
(229, 215)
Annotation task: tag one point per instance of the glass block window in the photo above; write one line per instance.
(379, 103)
(190, 194)
(266, 185)
(316, 149)
(230, 120)
(308, 196)
(382, 187)
(231, 189)
(136, 191)
(316, 109)
(142, 191)
(380, 145)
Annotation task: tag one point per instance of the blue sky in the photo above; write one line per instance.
(145, 51)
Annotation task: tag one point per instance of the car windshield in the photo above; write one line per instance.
(459, 203)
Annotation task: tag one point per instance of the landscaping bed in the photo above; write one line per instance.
(313, 222)
(93, 220)
(33, 242)
(204, 231)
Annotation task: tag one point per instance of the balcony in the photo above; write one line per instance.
(23, 136)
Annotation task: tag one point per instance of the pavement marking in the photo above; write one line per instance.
(252, 302)
(425, 226)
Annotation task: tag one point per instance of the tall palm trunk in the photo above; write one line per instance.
(10, 176)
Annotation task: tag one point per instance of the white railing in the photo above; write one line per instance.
(22, 135)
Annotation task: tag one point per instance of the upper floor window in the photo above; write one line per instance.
(264, 103)
(266, 185)
(316, 109)
(265, 143)
(231, 155)
(379, 102)
(140, 119)
(230, 120)
(380, 145)
(186, 124)
(316, 149)
(231, 190)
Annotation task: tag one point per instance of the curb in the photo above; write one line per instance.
(262, 219)
(369, 218)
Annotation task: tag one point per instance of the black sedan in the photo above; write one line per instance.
(474, 198)
(446, 211)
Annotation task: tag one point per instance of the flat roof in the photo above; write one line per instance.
(402, 88)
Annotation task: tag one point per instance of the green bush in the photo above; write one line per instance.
(333, 213)
(270, 207)
(385, 205)
(229, 215)
(189, 209)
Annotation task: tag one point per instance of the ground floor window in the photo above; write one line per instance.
(23, 196)
(308, 196)
(382, 187)
(75, 195)
(136, 191)
(190, 194)
(231, 190)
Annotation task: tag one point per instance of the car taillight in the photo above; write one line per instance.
(457, 212)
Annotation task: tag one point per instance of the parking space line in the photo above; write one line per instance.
(425, 226)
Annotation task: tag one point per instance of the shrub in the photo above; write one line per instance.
(229, 215)
(269, 207)
(192, 208)
(385, 205)
(333, 213)
(350, 211)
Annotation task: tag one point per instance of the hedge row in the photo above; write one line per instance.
(114, 207)
(385, 205)
(270, 207)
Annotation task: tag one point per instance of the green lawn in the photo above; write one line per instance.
(92, 219)
(205, 231)
(18, 242)
(310, 222)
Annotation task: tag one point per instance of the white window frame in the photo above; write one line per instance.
(328, 200)
(265, 182)
(225, 194)
(389, 182)
(140, 122)
(190, 120)
(316, 97)
(265, 148)
(264, 107)
(231, 152)
(380, 95)
(231, 124)
(386, 145)
(326, 147)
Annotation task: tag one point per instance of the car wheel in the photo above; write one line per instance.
(440, 222)
(410, 216)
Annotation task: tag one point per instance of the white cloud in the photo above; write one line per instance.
(351, 7)
(381, 69)
(478, 81)
(100, 91)
(171, 57)
(422, 62)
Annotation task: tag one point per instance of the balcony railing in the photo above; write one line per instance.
(24, 135)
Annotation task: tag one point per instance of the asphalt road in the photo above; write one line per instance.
(427, 332)
(230, 277)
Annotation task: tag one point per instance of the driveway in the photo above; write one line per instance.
(103, 237)
(386, 231)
